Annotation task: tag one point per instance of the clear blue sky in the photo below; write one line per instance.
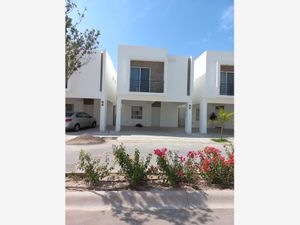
(184, 27)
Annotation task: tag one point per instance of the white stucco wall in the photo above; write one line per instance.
(207, 76)
(126, 119)
(110, 79)
(86, 82)
(212, 78)
(175, 74)
(169, 114)
(199, 77)
(77, 103)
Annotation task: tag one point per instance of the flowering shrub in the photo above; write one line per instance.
(135, 168)
(170, 165)
(175, 168)
(217, 169)
(92, 167)
(208, 164)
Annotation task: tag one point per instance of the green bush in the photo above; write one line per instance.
(92, 167)
(216, 169)
(170, 165)
(136, 169)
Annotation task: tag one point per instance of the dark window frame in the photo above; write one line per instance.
(138, 115)
(226, 88)
(131, 87)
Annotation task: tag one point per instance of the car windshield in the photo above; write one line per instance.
(68, 114)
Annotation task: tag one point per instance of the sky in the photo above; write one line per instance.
(184, 27)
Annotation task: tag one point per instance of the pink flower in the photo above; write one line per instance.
(200, 154)
(191, 154)
(180, 173)
(182, 159)
(160, 153)
(212, 150)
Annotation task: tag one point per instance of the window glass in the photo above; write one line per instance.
(79, 115)
(144, 84)
(230, 78)
(223, 77)
(226, 83)
(69, 107)
(85, 115)
(69, 114)
(134, 79)
(136, 112)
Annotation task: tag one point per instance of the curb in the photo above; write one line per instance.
(149, 200)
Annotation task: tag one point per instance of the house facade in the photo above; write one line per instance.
(213, 88)
(93, 89)
(151, 88)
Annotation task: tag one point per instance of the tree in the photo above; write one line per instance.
(78, 44)
(221, 118)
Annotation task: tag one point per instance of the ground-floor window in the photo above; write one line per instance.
(136, 112)
(69, 107)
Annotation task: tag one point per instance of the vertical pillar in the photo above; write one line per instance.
(188, 118)
(103, 112)
(203, 116)
(118, 114)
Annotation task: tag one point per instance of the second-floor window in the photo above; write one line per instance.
(227, 80)
(140, 79)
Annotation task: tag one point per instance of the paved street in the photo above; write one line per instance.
(145, 143)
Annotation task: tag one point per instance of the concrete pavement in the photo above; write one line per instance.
(150, 207)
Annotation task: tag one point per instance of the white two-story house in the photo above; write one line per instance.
(151, 88)
(213, 88)
(93, 89)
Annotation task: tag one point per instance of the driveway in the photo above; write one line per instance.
(145, 142)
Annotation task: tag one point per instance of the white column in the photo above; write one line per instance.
(203, 116)
(103, 112)
(118, 114)
(188, 118)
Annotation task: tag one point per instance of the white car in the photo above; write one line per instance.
(77, 120)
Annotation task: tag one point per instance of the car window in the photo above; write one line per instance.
(86, 115)
(79, 115)
(69, 114)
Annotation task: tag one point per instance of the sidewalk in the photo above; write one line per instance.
(148, 200)
(150, 207)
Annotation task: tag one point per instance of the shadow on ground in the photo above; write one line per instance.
(171, 207)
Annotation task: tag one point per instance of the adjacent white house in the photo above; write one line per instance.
(213, 87)
(93, 89)
(152, 87)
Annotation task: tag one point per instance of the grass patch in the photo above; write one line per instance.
(220, 140)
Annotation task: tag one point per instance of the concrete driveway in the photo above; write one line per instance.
(146, 143)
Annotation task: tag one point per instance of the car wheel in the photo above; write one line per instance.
(77, 127)
(94, 124)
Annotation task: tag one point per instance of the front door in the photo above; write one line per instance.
(155, 117)
(181, 116)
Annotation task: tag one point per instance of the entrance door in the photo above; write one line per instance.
(181, 116)
(155, 117)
